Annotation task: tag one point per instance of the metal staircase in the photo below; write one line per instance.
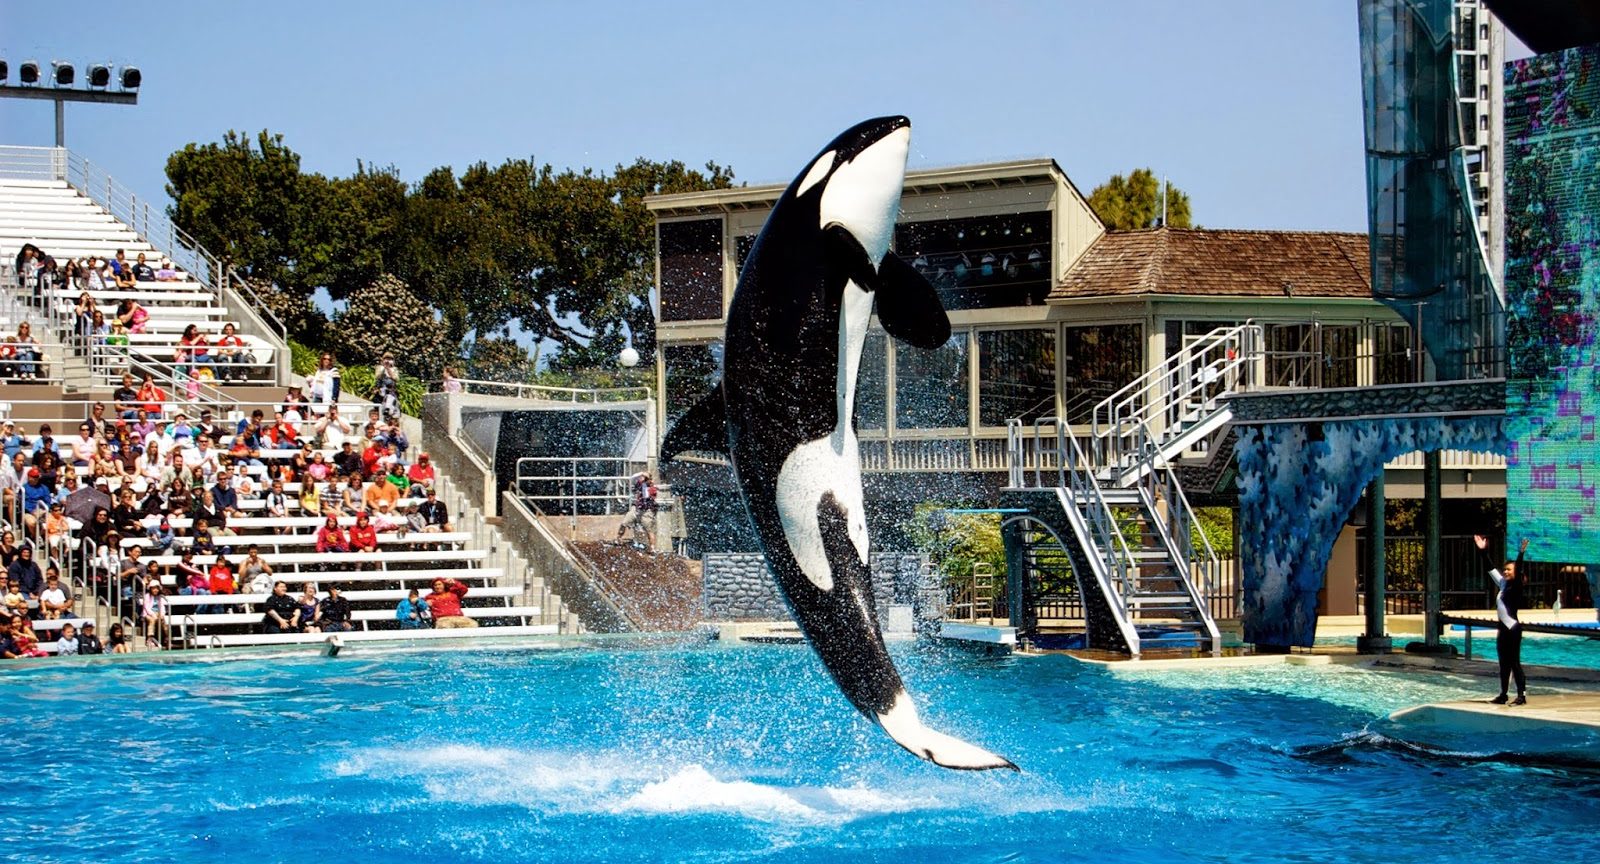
(1115, 506)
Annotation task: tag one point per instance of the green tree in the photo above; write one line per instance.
(386, 317)
(1134, 202)
(240, 201)
(954, 542)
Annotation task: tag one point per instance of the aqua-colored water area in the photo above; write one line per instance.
(621, 751)
(1541, 649)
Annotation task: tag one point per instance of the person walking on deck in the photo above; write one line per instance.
(1508, 630)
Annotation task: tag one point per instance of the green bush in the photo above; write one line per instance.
(954, 542)
(358, 380)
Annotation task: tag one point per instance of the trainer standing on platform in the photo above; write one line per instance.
(1508, 631)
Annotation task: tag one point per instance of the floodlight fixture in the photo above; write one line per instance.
(29, 72)
(131, 78)
(99, 76)
(65, 74)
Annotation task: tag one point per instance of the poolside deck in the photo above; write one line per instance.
(1565, 725)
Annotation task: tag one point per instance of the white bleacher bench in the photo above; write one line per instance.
(246, 639)
(413, 578)
(391, 595)
(217, 619)
(380, 557)
(244, 541)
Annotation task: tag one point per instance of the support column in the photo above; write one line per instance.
(1431, 565)
(1016, 572)
(61, 123)
(1375, 640)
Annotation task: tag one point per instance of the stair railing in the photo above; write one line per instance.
(1190, 381)
(1200, 565)
(1075, 473)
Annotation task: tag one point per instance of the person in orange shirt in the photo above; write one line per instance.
(380, 495)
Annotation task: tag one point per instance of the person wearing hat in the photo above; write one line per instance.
(11, 439)
(36, 499)
(421, 473)
(434, 513)
(24, 571)
(641, 510)
(88, 642)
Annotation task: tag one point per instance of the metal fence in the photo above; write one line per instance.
(1463, 582)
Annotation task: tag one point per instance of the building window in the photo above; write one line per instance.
(1096, 362)
(981, 262)
(930, 387)
(691, 270)
(691, 371)
(741, 247)
(1339, 344)
(1016, 375)
(1392, 358)
(872, 383)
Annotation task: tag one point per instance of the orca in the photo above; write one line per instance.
(784, 415)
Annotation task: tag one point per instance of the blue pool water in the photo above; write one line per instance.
(1542, 649)
(625, 751)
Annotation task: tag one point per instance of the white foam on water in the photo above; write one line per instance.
(624, 784)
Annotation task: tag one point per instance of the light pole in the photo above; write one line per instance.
(61, 86)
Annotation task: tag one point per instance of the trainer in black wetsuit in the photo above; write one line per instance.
(1508, 630)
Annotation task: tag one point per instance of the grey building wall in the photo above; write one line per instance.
(739, 588)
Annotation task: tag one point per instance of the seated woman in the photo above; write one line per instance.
(83, 311)
(310, 609)
(231, 358)
(363, 537)
(166, 272)
(192, 350)
(123, 277)
(27, 352)
(131, 315)
(150, 396)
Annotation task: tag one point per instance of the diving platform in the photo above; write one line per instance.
(1550, 724)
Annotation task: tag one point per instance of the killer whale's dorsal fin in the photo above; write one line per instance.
(908, 306)
(703, 428)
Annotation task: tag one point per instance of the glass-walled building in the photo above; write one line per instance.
(1050, 314)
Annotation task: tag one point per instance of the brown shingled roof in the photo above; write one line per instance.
(1221, 262)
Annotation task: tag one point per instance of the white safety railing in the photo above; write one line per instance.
(549, 393)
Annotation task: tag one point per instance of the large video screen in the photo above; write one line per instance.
(1553, 297)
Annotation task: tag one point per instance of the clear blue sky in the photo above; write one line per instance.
(1251, 106)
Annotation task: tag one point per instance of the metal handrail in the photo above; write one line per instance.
(217, 276)
(561, 394)
(1075, 473)
(1178, 538)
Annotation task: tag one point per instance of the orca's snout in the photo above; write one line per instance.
(865, 134)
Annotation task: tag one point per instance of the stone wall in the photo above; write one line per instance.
(739, 588)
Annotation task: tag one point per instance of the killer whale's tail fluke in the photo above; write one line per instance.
(946, 751)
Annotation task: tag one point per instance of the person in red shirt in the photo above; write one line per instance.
(363, 537)
(330, 537)
(283, 435)
(372, 456)
(421, 471)
(445, 601)
(230, 355)
(221, 579)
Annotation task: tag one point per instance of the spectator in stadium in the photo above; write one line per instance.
(56, 600)
(309, 608)
(153, 611)
(12, 479)
(166, 272)
(380, 496)
(641, 510)
(204, 458)
(160, 535)
(331, 537)
(231, 358)
(413, 613)
(117, 641)
(372, 457)
(84, 447)
(45, 444)
(362, 537)
(94, 274)
(12, 439)
(131, 315)
(421, 472)
(24, 643)
(434, 513)
(88, 642)
(311, 502)
(330, 497)
(49, 470)
(323, 384)
(201, 541)
(445, 601)
(133, 572)
(221, 580)
(25, 572)
(191, 577)
(414, 521)
(192, 351)
(84, 311)
(142, 271)
(255, 572)
(347, 460)
(225, 497)
(331, 429)
(28, 352)
(14, 601)
(150, 396)
(67, 644)
(386, 386)
(179, 498)
(8, 550)
(350, 499)
(294, 403)
(119, 263)
(72, 274)
(335, 611)
(36, 499)
(451, 383)
(282, 612)
(283, 435)
(94, 532)
(398, 478)
(143, 426)
(208, 426)
(122, 272)
(57, 531)
(276, 504)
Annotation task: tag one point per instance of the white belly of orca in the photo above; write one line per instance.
(815, 468)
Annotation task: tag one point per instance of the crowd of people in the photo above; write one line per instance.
(92, 509)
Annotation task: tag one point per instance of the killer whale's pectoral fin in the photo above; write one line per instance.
(908, 306)
(704, 428)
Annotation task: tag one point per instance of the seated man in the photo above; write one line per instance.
(125, 399)
(335, 612)
(380, 495)
(421, 473)
(434, 513)
(445, 602)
